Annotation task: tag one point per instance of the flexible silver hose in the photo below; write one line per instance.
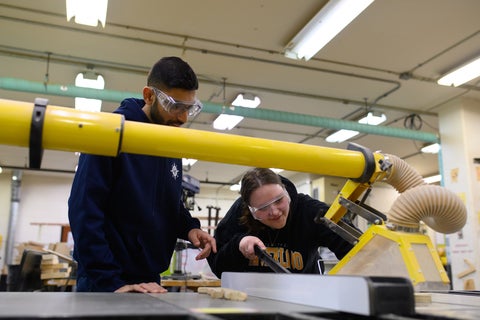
(437, 207)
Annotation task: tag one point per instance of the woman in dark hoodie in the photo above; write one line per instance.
(272, 215)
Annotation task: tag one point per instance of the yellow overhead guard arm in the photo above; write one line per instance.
(109, 134)
(38, 127)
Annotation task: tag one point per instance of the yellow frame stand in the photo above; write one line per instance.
(383, 252)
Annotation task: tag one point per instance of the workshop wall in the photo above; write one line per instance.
(4, 213)
(44, 196)
(43, 199)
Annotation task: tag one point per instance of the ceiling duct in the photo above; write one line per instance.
(13, 84)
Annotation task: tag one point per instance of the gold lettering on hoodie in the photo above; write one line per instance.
(289, 259)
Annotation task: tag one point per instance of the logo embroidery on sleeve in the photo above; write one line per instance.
(174, 171)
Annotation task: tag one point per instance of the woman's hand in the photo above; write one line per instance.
(247, 246)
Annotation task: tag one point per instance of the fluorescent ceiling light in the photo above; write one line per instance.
(228, 121)
(461, 75)
(341, 135)
(87, 12)
(235, 187)
(89, 80)
(188, 162)
(246, 100)
(276, 170)
(433, 179)
(373, 119)
(431, 148)
(326, 24)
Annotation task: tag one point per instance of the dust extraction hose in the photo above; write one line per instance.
(437, 207)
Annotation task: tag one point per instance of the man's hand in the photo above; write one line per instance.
(203, 240)
(150, 287)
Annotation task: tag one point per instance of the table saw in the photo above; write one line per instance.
(192, 305)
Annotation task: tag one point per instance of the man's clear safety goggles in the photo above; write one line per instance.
(176, 107)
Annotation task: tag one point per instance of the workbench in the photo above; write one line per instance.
(191, 306)
(191, 284)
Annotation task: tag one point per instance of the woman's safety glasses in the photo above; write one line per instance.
(261, 212)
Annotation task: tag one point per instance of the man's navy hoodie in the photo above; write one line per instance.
(126, 213)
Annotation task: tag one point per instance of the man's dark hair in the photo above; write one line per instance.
(172, 72)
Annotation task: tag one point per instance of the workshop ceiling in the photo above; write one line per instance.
(387, 60)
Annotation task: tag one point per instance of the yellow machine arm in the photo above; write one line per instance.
(58, 128)
(38, 127)
(109, 134)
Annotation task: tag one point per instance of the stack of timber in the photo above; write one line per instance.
(52, 268)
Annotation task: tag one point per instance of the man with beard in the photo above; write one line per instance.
(126, 212)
